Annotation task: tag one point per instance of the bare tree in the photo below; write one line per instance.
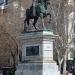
(57, 10)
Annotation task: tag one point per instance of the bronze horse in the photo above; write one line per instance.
(40, 8)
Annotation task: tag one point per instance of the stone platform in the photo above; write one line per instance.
(37, 54)
(37, 69)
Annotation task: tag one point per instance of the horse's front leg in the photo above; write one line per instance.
(35, 21)
(25, 24)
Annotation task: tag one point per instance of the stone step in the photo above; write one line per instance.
(37, 69)
(28, 72)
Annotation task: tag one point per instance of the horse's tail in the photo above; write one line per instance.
(24, 21)
(27, 12)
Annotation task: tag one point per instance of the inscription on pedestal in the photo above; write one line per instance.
(30, 52)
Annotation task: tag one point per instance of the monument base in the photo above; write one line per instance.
(37, 54)
(37, 69)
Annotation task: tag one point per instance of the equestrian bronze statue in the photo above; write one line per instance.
(34, 12)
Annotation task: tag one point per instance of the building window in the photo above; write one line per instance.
(3, 2)
(32, 51)
(3, 5)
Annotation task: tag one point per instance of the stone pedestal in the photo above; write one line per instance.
(37, 54)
